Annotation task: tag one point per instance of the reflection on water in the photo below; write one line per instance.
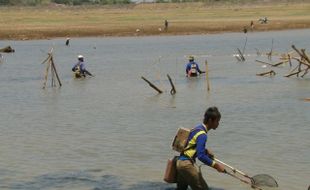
(86, 180)
(113, 131)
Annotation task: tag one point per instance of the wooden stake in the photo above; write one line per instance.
(207, 75)
(241, 55)
(46, 74)
(53, 65)
(172, 91)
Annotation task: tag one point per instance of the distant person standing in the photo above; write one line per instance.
(67, 41)
(245, 30)
(252, 25)
(166, 25)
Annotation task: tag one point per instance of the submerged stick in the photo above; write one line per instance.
(246, 39)
(270, 53)
(279, 63)
(241, 55)
(271, 73)
(263, 62)
(152, 85)
(172, 91)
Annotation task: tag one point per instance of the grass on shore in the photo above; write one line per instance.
(187, 18)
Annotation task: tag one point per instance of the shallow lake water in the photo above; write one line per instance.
(113, 131)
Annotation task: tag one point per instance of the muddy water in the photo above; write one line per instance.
(113, 131)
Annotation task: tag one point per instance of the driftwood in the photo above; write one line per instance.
(301, 53)
(152, 85)
(303, 63)
(50, 64)
(271, 73)
(273, 65)
(298, 56)
(265, 63)
(7, 49)
(172, 91)
(295, 73)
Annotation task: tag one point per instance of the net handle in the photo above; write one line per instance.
(244, 181)
(232, 168)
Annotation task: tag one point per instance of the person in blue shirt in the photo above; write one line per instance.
(79, 68)
(187, 172)
(192, 68)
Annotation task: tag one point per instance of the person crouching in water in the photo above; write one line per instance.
(192, 68)
(187, 172)
(79, 68)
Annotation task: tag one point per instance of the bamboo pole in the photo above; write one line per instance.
(53, 65)
(46, 74)
(207, 75)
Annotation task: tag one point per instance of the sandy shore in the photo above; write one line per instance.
(24, 23)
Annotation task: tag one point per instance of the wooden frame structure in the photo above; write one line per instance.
(50, 65)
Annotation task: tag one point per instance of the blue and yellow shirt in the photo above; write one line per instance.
(196, 145)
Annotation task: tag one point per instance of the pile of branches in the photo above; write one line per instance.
(298, 57)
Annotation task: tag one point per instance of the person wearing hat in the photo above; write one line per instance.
(79, 68)
(187, 171)
(192, 68)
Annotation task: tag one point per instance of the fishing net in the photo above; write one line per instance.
(264, 180)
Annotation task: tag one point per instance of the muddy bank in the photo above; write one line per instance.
(148, 19)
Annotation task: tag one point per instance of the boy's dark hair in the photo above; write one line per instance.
(211, 113)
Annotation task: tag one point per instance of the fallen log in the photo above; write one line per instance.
(7, 49)
(152, 85)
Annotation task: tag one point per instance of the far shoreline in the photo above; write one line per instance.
(32, 23)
